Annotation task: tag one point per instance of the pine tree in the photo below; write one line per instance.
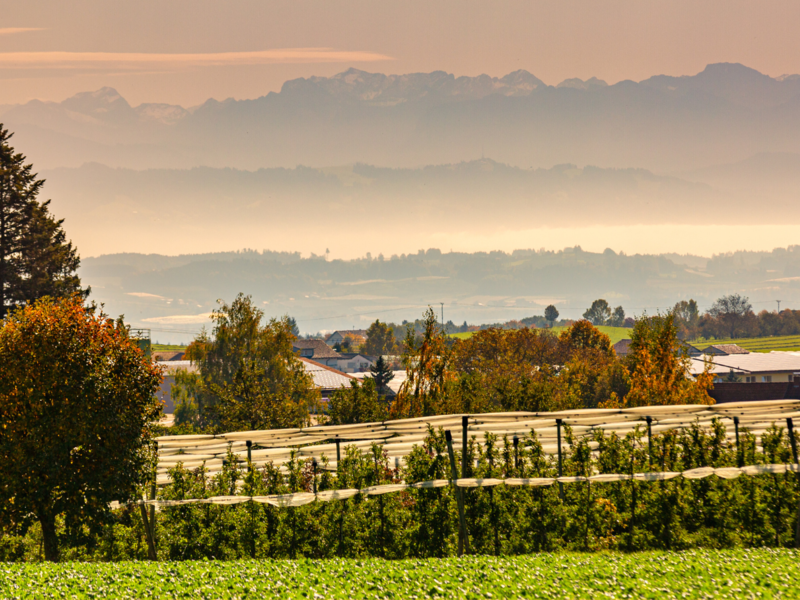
(382, 375)
(36, 260)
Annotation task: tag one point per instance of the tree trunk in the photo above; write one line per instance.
(48, 523)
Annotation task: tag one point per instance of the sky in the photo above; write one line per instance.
(186, 51)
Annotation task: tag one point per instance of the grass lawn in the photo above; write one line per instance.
(764, 344)
(693, 574)
(166, 347)
(615, 333)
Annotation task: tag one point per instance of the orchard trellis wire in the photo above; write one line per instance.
(571, 448)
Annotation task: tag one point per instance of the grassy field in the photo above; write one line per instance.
(615, 333)
(696, 574)
(166, 347)
(764, 344)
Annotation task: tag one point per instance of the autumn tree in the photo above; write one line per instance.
(36, 259)
(427, 362)
(551, 314)
(380, 340)
(659, 366)
(248, 374)
(599, 313)
(731, 312)
(617, 318)
(78, 408)
(687, 318)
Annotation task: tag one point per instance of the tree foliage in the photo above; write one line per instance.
(599, 313)
(360, 403)
(732, 312)
(380, 340)
(248, 376)
(36, 260)
(381, 374)
(551, 314)
(78, 407)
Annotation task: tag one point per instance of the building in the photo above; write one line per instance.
(352, 362)
(623, 347)
(337, 337)
(168, 355)
(316, 350)
(752, 367)
(326, 379)
(170, 369)
(725, 350)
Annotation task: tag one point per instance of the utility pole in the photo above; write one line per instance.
(444, 329)
(779, 306)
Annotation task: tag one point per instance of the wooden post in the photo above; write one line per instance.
(314, 480)
(739, 462)
(649, 442)
(462, 525)
(494, 509)
(151, 547)
(338, 453)
(516, 455)
(558, 441)
(464, 429)
(793, 442)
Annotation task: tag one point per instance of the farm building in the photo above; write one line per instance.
(337, 337)
(755, 367)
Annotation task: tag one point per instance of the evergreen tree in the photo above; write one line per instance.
(36, 259)
(382, 375)
(551, 314)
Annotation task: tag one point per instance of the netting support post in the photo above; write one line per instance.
(338, 453)
(494, 508)
(793, 442)
(314, 480)
(464, 431)
(516, 456)
(560, 464)
(739, 457)
(249, 445)
(649, 442)
(462, 524)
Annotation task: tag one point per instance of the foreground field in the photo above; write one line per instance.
(763, 344)
(695, 574)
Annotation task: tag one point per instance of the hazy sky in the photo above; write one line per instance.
(185, 51)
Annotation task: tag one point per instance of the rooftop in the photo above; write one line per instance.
(755, 362)
(324, 377)
(320, 348)
(725, 349)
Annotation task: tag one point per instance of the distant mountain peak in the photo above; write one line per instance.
(579, 84)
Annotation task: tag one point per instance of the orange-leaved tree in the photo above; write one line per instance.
(78, 408)
(659, 366)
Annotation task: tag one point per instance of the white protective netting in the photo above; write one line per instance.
(397, 438)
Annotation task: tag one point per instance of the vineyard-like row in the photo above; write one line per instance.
(762, 574)
(749, 511)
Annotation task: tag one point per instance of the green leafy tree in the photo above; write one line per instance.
(618, 317)
(36, 260)
(551, 314)
(248, 374)
(380, 340)
(78, 410)
(293, 326)
(360, 403)
(599, 313)
(382, 375)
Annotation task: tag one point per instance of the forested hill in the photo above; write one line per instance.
(176, 293)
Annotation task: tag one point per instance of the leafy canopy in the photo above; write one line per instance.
(77, 407)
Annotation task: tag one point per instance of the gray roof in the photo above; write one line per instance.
(755, 362)
(344, 332)
(324, 377)
(725, 349)
(320, 348)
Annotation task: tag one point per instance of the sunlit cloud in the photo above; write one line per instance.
(12, 30)
(138, 61)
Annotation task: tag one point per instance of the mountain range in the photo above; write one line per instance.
(726, 113)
